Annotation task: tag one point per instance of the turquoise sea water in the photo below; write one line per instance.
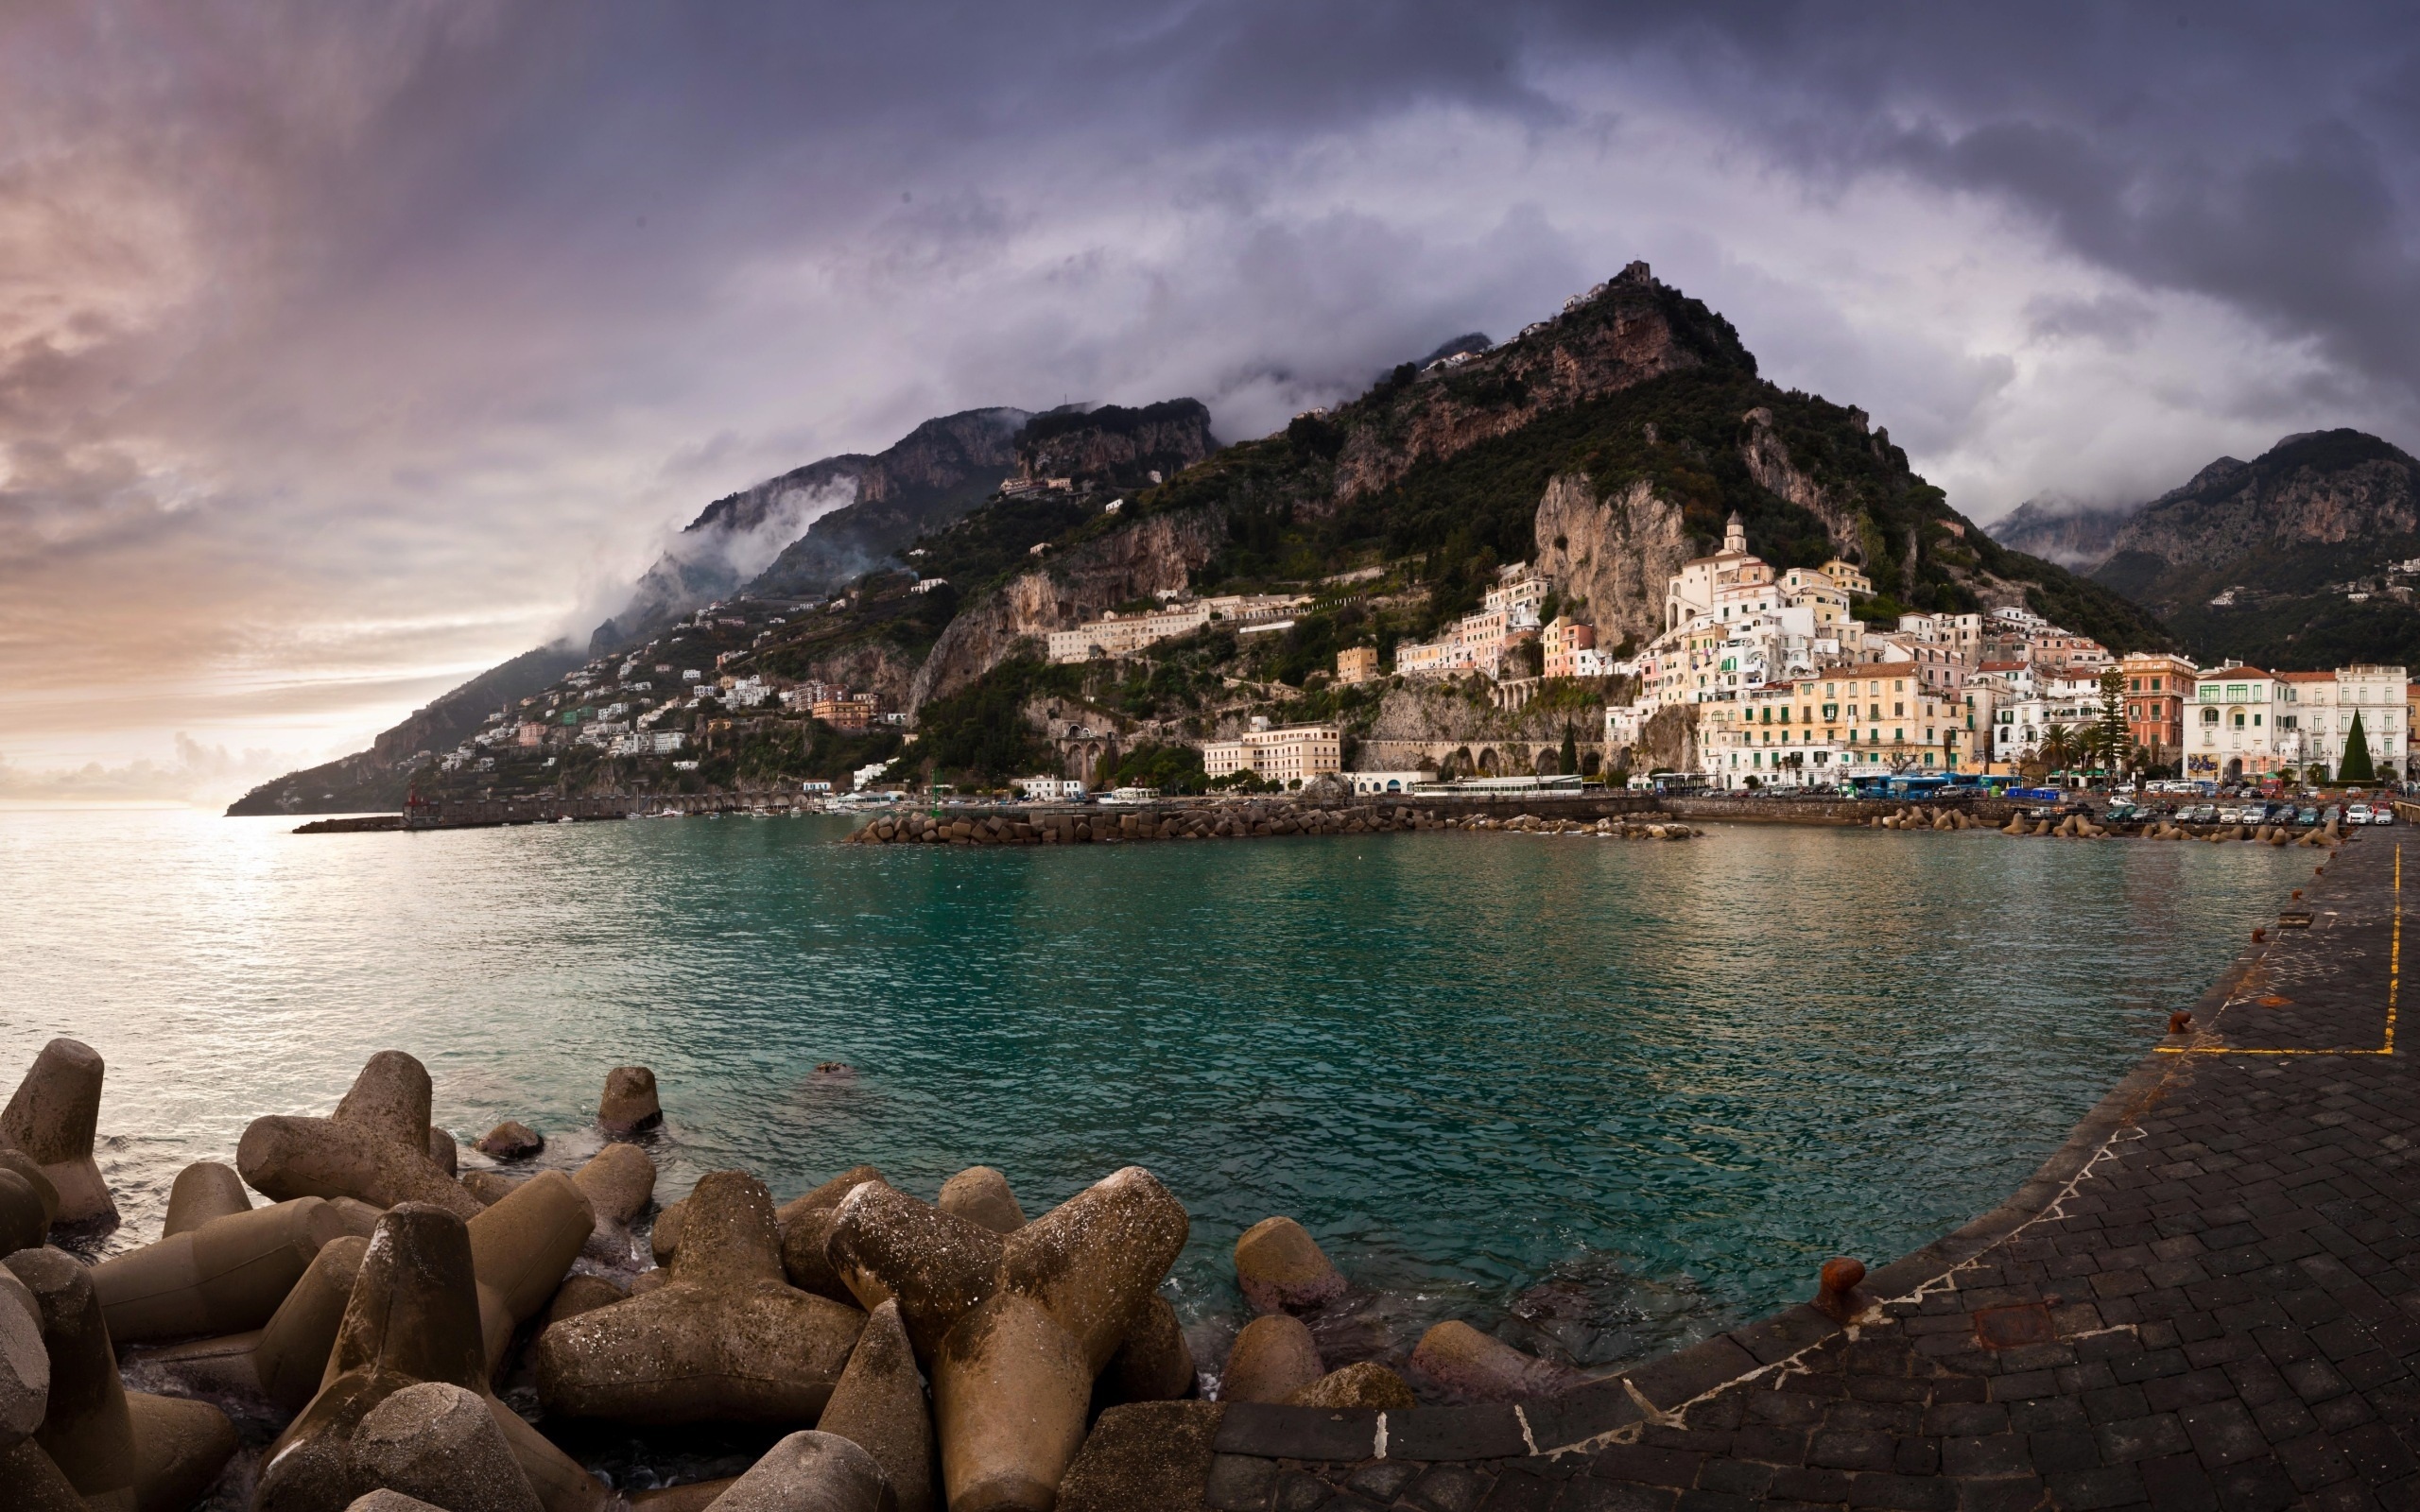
(1600, 1096)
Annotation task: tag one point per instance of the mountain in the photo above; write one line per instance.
(1115, 447)
(935, 473)
(2078, 537)
(374, 780)
(2290, 560)
(1608, 443)
(809, 532)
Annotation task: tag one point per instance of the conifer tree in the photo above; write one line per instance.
(2110, 737)
(1570, 762)
(2356, 766)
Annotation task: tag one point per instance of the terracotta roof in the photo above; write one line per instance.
(2306, 677)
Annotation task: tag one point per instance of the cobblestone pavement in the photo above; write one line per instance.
(2215, 1309)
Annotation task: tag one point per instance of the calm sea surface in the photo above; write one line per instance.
(1600, 1097)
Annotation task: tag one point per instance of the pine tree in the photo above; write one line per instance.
(2356, 765)
(2110, 737)
(1571, 750)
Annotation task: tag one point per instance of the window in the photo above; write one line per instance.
(1899, 709)
(2154, 684)
(2209, 717)
(2239, 719)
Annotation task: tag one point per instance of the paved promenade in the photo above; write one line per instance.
(2209, 1298)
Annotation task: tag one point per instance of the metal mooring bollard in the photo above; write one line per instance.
(2180, 1021)
(1838, 1299)
(2259, 935)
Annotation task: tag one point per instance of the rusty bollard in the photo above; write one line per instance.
(1839, 1298)
(2259, 935)
(2180, 1021)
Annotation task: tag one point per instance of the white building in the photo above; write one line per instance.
(1048, 789)
(1383, 783)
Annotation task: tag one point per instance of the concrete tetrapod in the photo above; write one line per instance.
(26, 1167)
(511, 1140)
(413, 1316)
(52, 1118)
(725, 1336)
(224, 1276)
(980, 1194)
(1272, 1359)
(880, 1406)
(1461, 1359)
(204, 1190)
(440, 1443)
(24, 1220)
(373, 1147)
(1012, 1379)
(618, 1182)
(121, 1450)
(1154, 1363)
(805, 1224)
(284, 1359)
(628, 1103)
(24, 1364)
(583, 1294)
(812, 1472)
(886, 1244)
(520, 1249)
(1281, 1268)
(442, 1152)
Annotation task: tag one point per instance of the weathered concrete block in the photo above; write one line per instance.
(630, 1103)
(1281, 1268)
(618, 1182)
(725, 1336)
(980, 1194)
(511, 1140)
(1154, 1363)
(1272, 1359)
(204, 1190)
(224, 1276)
(520, 1249)
(886, 1244)
(373, 1147)
(1461, 1359)
(812, 1472)
(24, 1220)
(52, 1118)
(879, 1405)
(438, 1442)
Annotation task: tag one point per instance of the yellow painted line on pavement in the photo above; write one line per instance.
(2393, 994)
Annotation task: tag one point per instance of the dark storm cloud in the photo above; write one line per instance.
(330, 332)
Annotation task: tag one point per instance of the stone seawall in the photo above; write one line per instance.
(1993, 811)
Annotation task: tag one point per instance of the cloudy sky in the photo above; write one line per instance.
(346, 349)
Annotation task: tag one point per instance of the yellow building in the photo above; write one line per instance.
(1291, 753)
(1357, 663)
(1815, 729)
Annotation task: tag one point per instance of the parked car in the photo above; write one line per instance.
(2229, 814)
(2357, 814)
(2307, 816)
(2330, 815)
(2120, 812)
(2201, 813)
(2383, 813)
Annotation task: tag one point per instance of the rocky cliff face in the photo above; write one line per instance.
(1768, 462)
(933, 475)
(1621, 333)
(2326, 487)
(1113, 447)
(1609, 558)
(1156, 554)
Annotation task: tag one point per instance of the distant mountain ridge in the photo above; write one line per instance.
(2287, 559)
(2077, 537)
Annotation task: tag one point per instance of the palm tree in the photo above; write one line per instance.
(2058, 747)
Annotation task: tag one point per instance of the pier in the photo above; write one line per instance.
(2208, 1298)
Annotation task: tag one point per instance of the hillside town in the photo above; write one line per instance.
(1781, 679)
